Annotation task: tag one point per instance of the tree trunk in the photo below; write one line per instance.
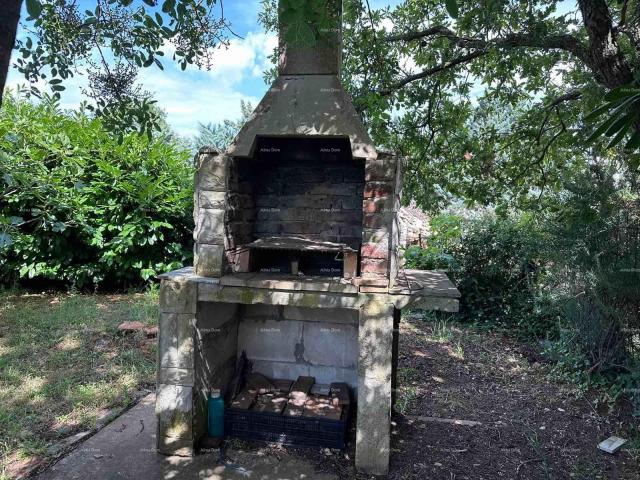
(607, 62)
(9, 18)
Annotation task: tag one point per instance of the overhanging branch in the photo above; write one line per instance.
(565, 42)
(432, 71)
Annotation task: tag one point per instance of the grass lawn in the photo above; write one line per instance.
(63, 365)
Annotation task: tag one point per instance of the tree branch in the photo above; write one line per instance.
(564, 42)
(572, 95)
(432, 71)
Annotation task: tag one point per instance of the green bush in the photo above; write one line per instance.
(81, 209)
(497, 264)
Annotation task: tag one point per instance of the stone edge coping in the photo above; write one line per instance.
(186, 275)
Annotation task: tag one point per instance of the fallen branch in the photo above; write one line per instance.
(452, 421)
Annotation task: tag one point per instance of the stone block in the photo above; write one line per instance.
(175, 376)
(267, 228)
(378, 205)
(307, 175)
(308, 201)
(330, 344)
(174, 411)
(380, 170)
(373, 221)
(270, 340)
(375, 266)
(175, 342)
(377, 189)
(323, 374)
(208, 260)
(353, 175)
(217, 345)
(375, 336)
(375, 250)
(333, 315)
(213, 315)
(178, 296)
(212, 172)
(211, 200)
(375, 236)
(209, 226)
(213, 374)
(373, 430)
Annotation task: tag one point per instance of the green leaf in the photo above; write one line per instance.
(598, 111)
(34, 8)
(634, 141)
(620, 123)
(619, 136)
(168, 6)
(452, 8)
(601, 129)
(621, 93)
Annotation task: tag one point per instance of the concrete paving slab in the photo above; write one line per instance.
(125, 449)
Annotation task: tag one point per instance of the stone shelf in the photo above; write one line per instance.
(426, 289)
(288, 282)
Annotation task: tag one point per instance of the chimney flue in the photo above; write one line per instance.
(310, 46)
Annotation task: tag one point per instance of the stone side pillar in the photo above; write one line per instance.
(378, 207)
(175, 378)
(375, 335)
(209, 211)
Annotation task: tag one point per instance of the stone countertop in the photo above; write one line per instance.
(429, 290)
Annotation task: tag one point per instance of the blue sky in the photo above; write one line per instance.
(193, 95)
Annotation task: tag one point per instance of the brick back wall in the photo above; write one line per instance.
(294, 197)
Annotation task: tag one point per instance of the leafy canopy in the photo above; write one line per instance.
(491, 104)
(110, 42)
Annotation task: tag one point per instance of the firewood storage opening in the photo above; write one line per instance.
(288, 374)
(300, 412)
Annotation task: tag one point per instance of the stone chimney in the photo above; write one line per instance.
(301, 56)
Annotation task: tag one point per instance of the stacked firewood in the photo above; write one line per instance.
(302, 398)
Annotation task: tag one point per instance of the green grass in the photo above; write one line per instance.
(63, 365)
(407, 392)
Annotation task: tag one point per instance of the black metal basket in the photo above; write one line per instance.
(296, 431)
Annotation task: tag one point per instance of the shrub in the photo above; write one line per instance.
(497, 264)
(79, 208)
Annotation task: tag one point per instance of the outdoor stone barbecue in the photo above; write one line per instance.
(296, 261)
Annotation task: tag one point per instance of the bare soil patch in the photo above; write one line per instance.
(531, 425)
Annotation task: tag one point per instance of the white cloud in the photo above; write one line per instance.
(246, 56)
(194, 95)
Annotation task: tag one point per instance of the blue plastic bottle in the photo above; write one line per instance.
(215, 406)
